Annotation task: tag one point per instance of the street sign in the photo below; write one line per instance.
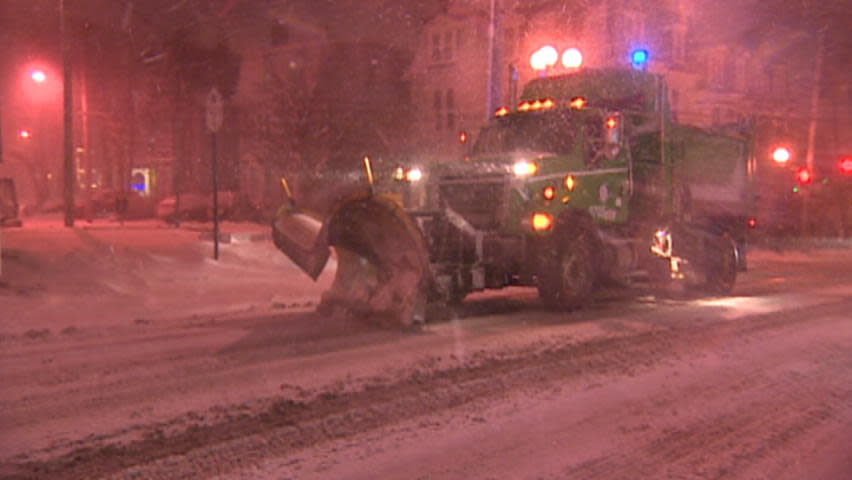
(214, 110)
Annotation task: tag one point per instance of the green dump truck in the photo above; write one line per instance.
(588, 182)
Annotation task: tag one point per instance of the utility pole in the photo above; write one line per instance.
(495, 70)
(812, 126)
(67, 114)
(1, 129)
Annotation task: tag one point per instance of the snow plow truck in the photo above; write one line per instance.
(589, 181)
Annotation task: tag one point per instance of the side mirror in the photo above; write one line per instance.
(613, 128)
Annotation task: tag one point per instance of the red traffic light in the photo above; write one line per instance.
(846, 165)
(804, 176)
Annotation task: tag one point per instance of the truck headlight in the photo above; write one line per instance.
(410, 175)
(524, 168)
(413, 175)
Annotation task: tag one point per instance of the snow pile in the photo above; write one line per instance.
(104, 274)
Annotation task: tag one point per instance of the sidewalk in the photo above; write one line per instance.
(106, 273)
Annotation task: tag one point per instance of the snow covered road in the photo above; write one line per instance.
(754, 386)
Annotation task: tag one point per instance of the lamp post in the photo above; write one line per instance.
(67, 114)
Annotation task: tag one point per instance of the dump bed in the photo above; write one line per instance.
(714, 167)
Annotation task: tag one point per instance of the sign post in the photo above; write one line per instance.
(214, 117)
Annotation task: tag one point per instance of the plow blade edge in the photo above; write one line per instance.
(383, 269)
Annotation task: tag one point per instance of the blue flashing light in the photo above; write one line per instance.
(639, 57)
(139, 187)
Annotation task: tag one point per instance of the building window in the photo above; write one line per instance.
(444, 44)
(667, 45)
(448, 46)
(278, 34)
(437, 105)
(729, 74)
(436, 47)
(679, 46)
(451, 109)
(371, 71)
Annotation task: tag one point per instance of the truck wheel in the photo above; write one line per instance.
(567, 272)
(721, 266)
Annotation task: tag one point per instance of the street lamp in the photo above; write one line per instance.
(38, 76)
(25, 134)
(781, 155)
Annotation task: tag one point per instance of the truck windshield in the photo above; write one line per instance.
(550, 132)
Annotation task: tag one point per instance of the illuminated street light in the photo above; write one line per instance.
(25, 134)
(781, 155)
(38, 76)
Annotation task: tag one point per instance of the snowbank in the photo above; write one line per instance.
(55, 278)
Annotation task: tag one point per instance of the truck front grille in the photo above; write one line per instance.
(481, 201)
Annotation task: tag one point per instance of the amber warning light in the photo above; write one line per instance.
(541, 221)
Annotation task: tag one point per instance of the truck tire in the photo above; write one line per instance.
(721, 266)
(567, 271)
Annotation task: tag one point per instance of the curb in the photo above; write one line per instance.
(802, 243)
(236, 237)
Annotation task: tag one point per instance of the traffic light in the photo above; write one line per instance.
(804, 176)
(846, 165)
